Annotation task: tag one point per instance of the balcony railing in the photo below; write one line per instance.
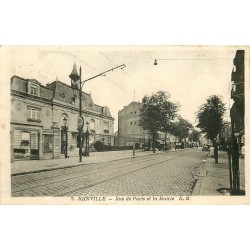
(33, 120)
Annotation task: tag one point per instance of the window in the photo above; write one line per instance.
(131, 123)
(92, 126)
(105, 111)
(34, 114)
(106, 127)
(25, 139)
(33, 90)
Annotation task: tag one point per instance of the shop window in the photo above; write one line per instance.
(25, 139)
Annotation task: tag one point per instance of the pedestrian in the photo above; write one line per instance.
(211, 152)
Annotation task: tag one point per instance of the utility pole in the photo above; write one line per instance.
(80, 116)
(75, 77)
(134, 127)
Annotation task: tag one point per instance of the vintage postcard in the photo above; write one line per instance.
(140, 125)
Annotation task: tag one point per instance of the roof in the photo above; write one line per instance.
(59, 91)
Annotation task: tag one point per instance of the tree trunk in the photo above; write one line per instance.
(216, 152)
(153, 142)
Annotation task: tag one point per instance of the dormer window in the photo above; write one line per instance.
(34, 90)
(105, 111)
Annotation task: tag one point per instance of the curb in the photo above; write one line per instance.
(197, 187)
(82, 164)
(203, 173)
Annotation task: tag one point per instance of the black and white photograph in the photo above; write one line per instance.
(126, 124)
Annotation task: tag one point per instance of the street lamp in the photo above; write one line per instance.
(65, 137)
(78, 78)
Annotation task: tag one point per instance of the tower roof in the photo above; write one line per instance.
(74, 74)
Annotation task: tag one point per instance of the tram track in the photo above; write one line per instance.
(84, 180)
(32, 177)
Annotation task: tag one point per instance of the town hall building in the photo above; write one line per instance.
(39, 114)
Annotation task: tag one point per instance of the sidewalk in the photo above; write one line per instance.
(32, 166)
(214, 178)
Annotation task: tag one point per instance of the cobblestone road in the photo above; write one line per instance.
(171, 173)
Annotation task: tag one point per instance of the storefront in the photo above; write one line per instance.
(25, 144)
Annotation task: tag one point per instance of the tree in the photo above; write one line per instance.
(180, 128)
(195, 135)
(156, 113)
(210, 120)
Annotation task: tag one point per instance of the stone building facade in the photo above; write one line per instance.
(237, 114)
(37, 114)
(237, 111)
(129, 131)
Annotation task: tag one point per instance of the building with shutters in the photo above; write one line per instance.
(129, 131)
(37, 114)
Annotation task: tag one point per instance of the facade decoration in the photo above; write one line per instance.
(40, 115)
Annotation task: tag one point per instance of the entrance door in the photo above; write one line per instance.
(48, 147)
(64, 142)
(34, 145)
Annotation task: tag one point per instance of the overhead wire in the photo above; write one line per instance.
(76, 57)
(125, 72)
(170, 59)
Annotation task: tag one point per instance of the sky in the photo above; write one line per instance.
(189, 73)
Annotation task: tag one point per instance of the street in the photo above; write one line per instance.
(170, 173)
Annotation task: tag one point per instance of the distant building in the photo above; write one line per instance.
(204, 140)
(37, 114)
(129, 131)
